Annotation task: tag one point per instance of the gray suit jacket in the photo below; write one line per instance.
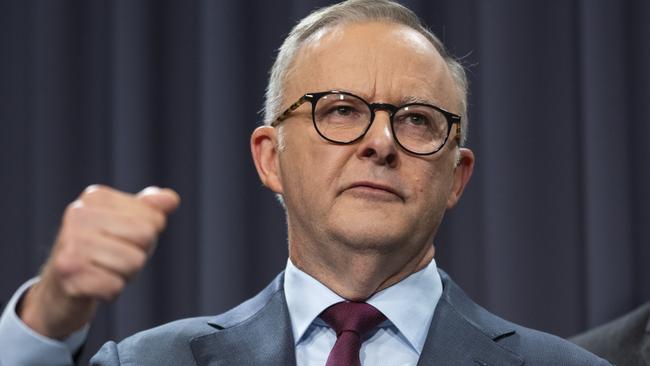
(624, 341)
(258, 332)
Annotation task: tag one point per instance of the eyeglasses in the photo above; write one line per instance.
(343, 118)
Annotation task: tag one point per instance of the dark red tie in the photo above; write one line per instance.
(351, 321)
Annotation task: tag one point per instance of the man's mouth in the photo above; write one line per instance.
(374, 190)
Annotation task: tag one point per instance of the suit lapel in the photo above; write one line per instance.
(462, 333)
(257, 332)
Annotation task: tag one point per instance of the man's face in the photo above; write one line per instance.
(370, 194)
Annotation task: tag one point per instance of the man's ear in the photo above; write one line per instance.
(264, 148)
(462, 173)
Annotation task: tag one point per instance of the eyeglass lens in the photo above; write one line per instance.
(344, 118)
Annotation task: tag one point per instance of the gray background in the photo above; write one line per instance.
(552, 231)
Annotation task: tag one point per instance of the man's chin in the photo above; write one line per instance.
(368, 235)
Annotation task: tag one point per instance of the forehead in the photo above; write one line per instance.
(379, 61)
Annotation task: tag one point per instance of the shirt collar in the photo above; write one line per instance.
(418, 293)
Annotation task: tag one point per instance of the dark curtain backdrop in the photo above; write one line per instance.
(553, 231)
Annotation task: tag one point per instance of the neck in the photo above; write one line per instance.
(357, 275)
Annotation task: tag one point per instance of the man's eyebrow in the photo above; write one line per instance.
(415, 99)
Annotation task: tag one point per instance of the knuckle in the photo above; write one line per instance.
(113, 288)
(70, 241)
(160, 220)
(76, 213)
(74, 205)
(148, 233)
(65, 264)
(138, 260)
(94, 188)
(96, 194)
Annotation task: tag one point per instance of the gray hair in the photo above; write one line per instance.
(354, 11)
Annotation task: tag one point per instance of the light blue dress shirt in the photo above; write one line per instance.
(408, 306)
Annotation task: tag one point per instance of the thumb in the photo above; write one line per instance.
(164, 199)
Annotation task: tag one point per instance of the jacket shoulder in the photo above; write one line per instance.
(540, 348)
(531, 346)
(169, 344)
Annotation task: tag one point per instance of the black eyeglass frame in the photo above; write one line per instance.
(390, 108)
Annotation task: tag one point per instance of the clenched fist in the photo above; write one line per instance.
(105, 239)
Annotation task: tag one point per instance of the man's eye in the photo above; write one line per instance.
(343, 110)
(416, 119)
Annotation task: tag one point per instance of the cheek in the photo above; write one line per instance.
(311, 167)
(434, 184)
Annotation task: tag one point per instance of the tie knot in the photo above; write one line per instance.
(357, 317)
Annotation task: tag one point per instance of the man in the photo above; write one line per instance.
(624, 341)
(362, 142)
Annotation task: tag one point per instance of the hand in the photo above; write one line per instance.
(105, 239)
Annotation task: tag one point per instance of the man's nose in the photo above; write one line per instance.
(378, 143)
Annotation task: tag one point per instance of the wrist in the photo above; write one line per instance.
(52, 314)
